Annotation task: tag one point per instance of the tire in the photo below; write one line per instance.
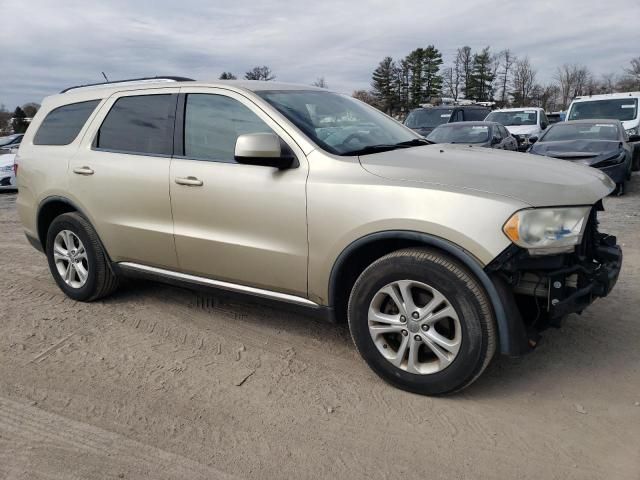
(635, 159)
(620, 189)
(423, 267)
(99, 278)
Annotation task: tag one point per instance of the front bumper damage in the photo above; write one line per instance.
(543, 290)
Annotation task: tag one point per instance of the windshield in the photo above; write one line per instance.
(619, 109)
(514, 117)
(337, 123)
(7, 140)
(579, 131)
(460, 133)
(428, 117)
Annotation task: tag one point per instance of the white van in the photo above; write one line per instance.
(618, 106)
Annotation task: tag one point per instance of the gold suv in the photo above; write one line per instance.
(437, 255)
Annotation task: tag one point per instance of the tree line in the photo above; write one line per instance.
(16, 121)
(421, 77)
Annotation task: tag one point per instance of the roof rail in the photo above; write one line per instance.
(166, 78)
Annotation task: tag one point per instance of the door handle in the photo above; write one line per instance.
(189, 181)
(83, 170)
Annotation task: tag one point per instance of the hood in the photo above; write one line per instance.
(530, 179)
(522, 129)
(588, 152)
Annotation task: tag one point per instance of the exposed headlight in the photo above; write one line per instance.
(633, 131)
(545, 231)
(616, 160)
(6, 168)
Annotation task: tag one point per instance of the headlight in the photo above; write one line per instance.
(633, 131)
(6, 168)
(618, 159)
(545, 231)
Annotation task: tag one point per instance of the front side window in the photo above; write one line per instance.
(475, 114)
(617, 109)
(62, 125)
(212, 124)
(337, 123)
(514, 118)
(139, 124)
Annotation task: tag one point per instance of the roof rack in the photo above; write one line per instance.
(165, 78)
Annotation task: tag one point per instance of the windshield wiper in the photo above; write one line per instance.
(387, 147)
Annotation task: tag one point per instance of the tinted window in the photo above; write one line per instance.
(62, 125)
(475, 114)
(212, 123)
(140, 124)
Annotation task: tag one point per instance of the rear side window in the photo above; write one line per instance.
(139, 124)
(62, 125)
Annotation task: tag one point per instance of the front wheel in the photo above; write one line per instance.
(422, 322)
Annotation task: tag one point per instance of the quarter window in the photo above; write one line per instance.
(212, 125)
(62, 125)
(139, 124)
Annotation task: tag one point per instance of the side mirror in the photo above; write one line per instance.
(533, 139)
(634, 138)
(264, 149)
(495, 140)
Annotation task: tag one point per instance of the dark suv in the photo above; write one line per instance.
(424, 120)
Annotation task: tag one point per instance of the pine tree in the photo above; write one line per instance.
(384, 84)
(481, 77)
(227, 76)
(431, 77)
(415, 67)
(19, 124)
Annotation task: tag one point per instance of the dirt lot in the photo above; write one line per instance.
(162, 382)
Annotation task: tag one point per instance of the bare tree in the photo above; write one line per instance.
(465, 60)
(504, 75)
(524, 77)
(320, 82)
(573, 80)
(608, 83)
(365, 96)
(632, 75)
(260, 73)
(451, 78)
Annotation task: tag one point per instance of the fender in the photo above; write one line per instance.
(511, 332)
(57, 198)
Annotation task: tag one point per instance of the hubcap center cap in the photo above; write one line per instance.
(413, 326)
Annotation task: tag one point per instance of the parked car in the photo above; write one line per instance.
(307, 197)
(522, 123)
(10, 142)
(479, 134)
(424, 120)
(7, 173)
(615, 106)
(602, 144)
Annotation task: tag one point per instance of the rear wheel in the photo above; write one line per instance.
(77, 260)
(422, 322)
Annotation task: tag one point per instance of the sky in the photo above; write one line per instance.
(47, 45)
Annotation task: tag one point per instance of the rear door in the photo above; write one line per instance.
(120, 176)
(244, 224)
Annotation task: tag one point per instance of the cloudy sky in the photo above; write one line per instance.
(47, 45)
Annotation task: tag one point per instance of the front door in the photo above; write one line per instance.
(244, 224)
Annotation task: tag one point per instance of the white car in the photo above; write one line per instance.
(522, 123)
(7, 174)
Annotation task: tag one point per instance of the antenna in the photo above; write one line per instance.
(105, 76)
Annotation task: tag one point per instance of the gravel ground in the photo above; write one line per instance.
(162, 382)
